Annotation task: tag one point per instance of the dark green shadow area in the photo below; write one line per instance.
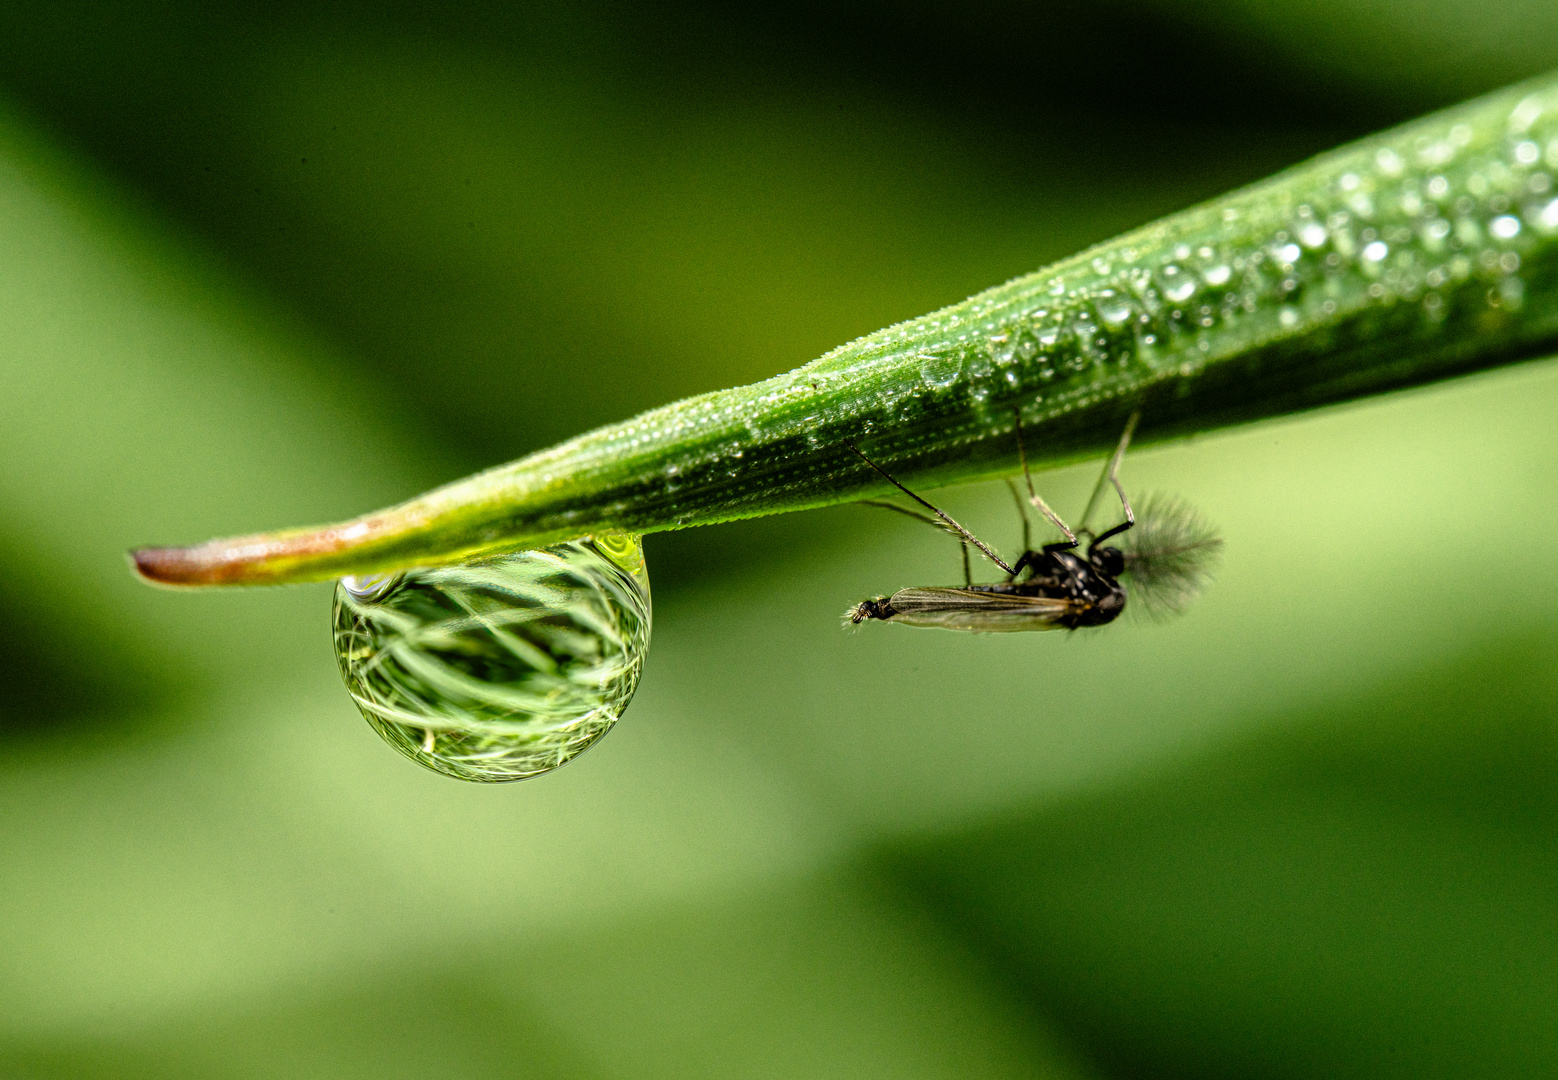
(63, 684)
(1371, 891)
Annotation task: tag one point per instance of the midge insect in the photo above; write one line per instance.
(1166, 553)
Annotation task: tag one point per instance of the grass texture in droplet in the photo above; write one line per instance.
(501, 668)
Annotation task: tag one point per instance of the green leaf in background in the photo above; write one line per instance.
(1305, 830)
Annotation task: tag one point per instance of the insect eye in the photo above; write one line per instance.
(1108, 560)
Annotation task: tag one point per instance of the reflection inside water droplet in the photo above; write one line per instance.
(500, 668)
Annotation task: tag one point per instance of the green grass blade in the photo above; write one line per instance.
(1422, 253)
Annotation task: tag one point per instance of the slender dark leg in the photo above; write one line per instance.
(1033, 496)
(1111, 475)
(1116, 531)
(906, 512)
(968, 577)
(946, 520)
(1022, 512)
(1027, 556)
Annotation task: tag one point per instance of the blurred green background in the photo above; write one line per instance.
(269, 268)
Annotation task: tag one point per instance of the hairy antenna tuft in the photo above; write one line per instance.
(1170, 556)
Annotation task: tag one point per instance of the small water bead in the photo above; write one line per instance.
(501, 668)
(1177, 285)
(1115, 313)
(1506, 227)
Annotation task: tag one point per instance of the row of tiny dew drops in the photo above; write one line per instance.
(507, 667)
(1450, 237)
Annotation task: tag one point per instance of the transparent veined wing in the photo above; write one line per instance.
(980, 612)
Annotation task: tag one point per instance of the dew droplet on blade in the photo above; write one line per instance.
(500, 668)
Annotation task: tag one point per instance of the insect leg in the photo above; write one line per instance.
(906, 512)
(1022, 512)
(946, 520)
(968, 577)
(1027, 531)
(1111, 475)
(1033, 496)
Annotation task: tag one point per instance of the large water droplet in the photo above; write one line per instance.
(501, 668)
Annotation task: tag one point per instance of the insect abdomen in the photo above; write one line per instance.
(880, 608)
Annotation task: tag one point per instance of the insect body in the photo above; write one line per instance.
(1065, 591)
(1060, 586)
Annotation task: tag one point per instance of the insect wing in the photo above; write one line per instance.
(980, 612)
